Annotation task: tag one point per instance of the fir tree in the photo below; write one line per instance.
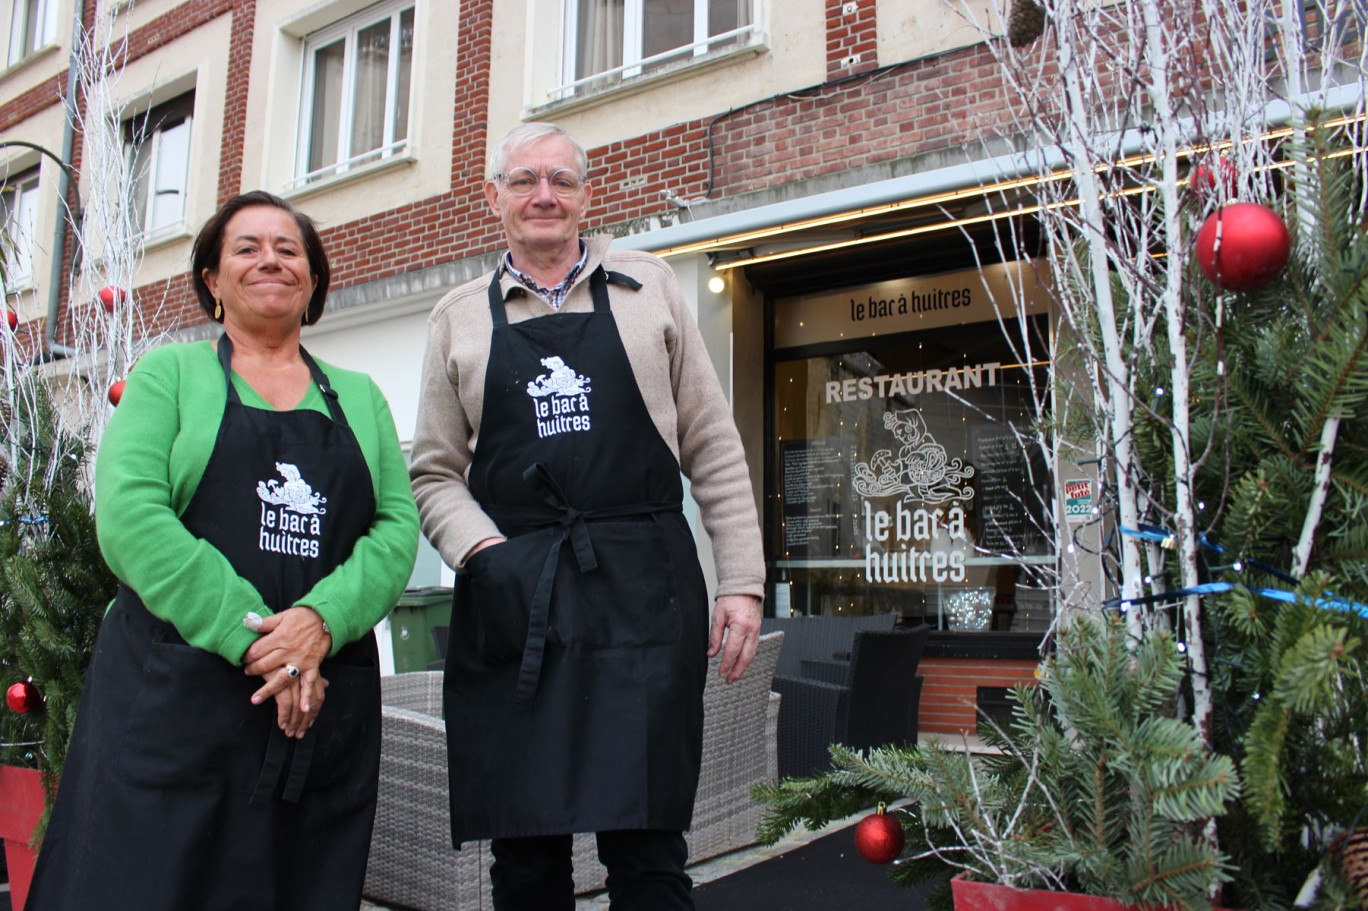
(54, 584)
(1097, 788)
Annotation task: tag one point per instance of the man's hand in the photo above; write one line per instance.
(738, 617)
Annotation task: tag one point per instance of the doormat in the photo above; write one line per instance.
(821, 875)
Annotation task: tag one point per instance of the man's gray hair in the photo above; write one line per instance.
(525, 134)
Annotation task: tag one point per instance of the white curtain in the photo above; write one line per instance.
(372, 79)
(599, 45)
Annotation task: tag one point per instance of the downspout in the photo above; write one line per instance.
(63, 191)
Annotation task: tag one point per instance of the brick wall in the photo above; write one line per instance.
(852, 32)
(235, 100)
(950, 690)
(37, 99)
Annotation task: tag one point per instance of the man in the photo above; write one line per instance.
(562, 395)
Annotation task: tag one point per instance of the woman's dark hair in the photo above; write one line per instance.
(209, 248)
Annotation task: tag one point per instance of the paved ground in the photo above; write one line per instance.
(712, 869)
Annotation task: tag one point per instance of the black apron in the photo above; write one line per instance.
(178, 793)
(578, 648)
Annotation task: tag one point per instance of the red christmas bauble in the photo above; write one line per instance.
(879, 837)
(11, 319)
(110, 295)
(116, 392)
(1204, 176)
(22, 697)
(1243, 246)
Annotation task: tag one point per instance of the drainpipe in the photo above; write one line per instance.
(64, 184)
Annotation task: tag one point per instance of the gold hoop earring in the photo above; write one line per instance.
(218, 310)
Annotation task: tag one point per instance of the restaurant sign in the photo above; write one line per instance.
(912, 304)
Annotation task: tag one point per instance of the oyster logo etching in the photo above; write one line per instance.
(290, 514)
(921, 544)
(560, 399)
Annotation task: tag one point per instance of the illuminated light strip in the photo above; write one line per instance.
(869, 212)
(912, 232)
(951, 196)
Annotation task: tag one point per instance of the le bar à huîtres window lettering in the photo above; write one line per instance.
(560, 399)
(290, 514)
(926, 543)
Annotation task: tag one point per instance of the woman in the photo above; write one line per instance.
(255, 506)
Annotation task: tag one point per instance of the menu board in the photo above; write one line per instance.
(813, 481)
(1003, 494)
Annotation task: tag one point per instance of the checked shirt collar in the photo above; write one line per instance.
(553, 296)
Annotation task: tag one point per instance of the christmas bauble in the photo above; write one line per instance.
(22, 697)
(879, 837)
(12, 319)
(109, 296)
(116, 392)
(1243, 246)
(1204, 176)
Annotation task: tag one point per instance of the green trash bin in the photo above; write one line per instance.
(411, 623)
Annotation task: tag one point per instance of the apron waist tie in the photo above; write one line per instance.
(576, 531)
(274, 766)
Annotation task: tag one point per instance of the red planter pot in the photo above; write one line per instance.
(972, 896)
(21, 804)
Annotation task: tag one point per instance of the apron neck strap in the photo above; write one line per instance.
(598, 290)
(497, 311)
(225, 356)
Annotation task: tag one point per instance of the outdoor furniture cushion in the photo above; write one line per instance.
(876, 705)
(820, 638)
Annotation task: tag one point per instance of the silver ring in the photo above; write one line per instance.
(291, 671)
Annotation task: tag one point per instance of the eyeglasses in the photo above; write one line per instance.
(524, 181)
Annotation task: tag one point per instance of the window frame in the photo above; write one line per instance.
(23, 188)
(348, 30)
(150, 126)
(22, 14)
(633, 63)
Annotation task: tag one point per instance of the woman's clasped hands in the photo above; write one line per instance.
(287, 656)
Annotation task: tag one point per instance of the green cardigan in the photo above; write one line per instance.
(150, 462)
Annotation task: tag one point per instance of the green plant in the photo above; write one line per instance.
(1097, 787)
(54, 585)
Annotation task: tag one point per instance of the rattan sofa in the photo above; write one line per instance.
(412, 863)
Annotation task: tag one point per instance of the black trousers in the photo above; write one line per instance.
(645, 872)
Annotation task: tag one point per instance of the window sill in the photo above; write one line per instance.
(42, 53)
(351, 175)
(165, 237)
(675, 72)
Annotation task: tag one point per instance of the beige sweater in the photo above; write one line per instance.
(672, 370)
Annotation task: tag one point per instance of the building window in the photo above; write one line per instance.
(908, 475)
(355, 107)
(19, 210)
(158, 145)
(33, 26)
(611, 40)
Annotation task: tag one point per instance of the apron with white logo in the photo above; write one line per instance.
(178, 792)
(577, 651)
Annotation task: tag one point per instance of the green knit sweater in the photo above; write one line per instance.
(150, 463)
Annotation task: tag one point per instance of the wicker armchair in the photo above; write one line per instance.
(874, 702)
(819, 638)
(412, 862)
